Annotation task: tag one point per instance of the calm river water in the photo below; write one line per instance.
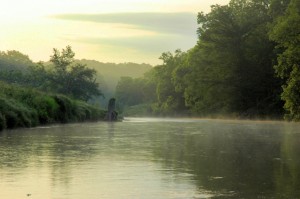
(144, 158)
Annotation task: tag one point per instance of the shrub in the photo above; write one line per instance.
(23, 107)
(64, 112)
(16, 114)
(46, 108)
(81, 111)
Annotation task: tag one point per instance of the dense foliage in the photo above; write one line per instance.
(247, 52)
(23, 98)
(27, 107)
(286, 33)
(66, 77)
(63, 75)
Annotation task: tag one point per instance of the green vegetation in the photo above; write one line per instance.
(23, 98)
(66, 77)
(286, 33)
(58, 90)
(27, 107)
(245, 64)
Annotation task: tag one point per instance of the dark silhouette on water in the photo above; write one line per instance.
(112, 114)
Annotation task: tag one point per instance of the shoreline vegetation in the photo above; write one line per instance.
(37, 94)
(245, 65)
(28, 107)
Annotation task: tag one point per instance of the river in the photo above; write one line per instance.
(147, 158)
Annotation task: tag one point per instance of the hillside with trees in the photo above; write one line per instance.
(108, 74)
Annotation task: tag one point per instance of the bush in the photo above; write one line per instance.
(82, 112)
(16, 114)
(64, 113)
(96, 113)
(46, 107)
(22, 107)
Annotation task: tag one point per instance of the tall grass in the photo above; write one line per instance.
(25, 107)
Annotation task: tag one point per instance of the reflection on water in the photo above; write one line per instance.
(152, 158)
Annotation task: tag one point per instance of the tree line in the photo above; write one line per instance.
(245, 64)
(61, 75)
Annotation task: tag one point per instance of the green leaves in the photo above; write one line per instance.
(286, 32)
(63, 59)
(229, 71)
(71, 79)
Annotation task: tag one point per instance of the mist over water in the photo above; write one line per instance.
(152, 158)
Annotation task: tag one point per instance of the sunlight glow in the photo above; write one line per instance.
(27, 26)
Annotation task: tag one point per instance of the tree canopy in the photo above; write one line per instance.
(286, 33)
(70, 78)
(245, 64)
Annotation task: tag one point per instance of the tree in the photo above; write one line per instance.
(70, 78)
(286, 32)
(129, 91)
(170, 100)
(14, 67)
(14, 60)
(231, 73)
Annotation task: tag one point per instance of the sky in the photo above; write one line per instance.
(104, 30)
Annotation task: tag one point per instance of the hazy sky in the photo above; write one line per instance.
(107, 31)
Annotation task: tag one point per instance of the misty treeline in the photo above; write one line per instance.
(108, 75)
(245, 64)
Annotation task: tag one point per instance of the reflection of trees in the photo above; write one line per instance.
(9, 159)
(58, 148)
(287, 168)
(229, 158)
(222, 157)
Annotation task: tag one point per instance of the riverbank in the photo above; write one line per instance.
(146, 110)
(27, 107)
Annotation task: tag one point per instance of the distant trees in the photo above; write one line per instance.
(156, 88)
(108, 75)
(13, 67)
(14, 60)
(129, 91)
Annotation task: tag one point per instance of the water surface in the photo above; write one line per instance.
(152, 159)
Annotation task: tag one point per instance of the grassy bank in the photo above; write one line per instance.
(25, 107)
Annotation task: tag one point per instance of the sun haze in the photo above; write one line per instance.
(107, 31)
